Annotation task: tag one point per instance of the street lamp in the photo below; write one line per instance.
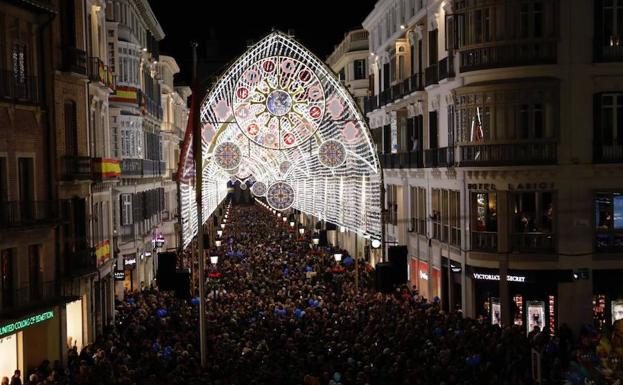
(214, 259)
(219, 233)
(338, 257)
(223, 226)
(284, 219)
(292, 224)
(218, 242)
(279, 214)
(301, 229)
(376, 243)
(315, 239)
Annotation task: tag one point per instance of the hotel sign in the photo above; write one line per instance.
(25, 323)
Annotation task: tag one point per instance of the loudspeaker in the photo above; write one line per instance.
(165, 276)
(182, 284)
(398, 257)
(206, 241)
(383, 278)
(323, 238)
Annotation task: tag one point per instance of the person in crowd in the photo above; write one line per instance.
(17, 378)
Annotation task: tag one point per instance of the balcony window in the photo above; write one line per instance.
(417, 200)
(360, 69)
(484, 222)
(608, 221)
(533, 220)
(612, 14)
(608, 127)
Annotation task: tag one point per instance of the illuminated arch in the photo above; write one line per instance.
(280, 115)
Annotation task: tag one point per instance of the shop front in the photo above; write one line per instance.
(426, 279)
(20, 335)
(533, 296)
(450, 284)
(129, 267)
(607, 297)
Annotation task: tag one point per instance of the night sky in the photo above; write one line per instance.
(224, 30)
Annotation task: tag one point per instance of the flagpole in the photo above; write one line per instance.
(197, 152)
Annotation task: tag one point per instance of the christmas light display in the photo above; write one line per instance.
(280, 116)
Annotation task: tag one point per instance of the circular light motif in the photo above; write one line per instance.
(258, 189)
(279, 102)
(280, 195)
(284, 166)
(227, 155)
(350, 131)
(332, 153)
(243, 186)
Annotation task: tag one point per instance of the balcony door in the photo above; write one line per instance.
(35, 272)
(26, 188)
(6, 278)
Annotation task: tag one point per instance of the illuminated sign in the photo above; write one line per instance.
(119, 275)
(423, 275)
(129, 260)
(496, 277)
(26, 322)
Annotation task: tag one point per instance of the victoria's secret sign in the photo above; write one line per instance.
(512, 186)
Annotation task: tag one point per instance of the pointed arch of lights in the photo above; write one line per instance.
(294, 126)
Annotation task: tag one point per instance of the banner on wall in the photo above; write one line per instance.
(495, 311)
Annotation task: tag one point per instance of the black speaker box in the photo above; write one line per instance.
(398, 257)
(384, 277)
(323, 238)
(182, 284)
(166, 271)
(206, 241)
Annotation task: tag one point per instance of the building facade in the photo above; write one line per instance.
(350, 61)
(135, 123)
(174, 119)
(496, 126)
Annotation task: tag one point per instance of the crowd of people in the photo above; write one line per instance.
(281, 312)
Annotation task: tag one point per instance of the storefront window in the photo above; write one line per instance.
(608, 221)
(484, 221)
(533, 220)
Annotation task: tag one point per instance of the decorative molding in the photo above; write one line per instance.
(419, 31)
(434, 22)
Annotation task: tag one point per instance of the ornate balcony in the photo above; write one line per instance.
(431, 75)
(27, 213)
(75, 60)
(446, 68)
(533, 242)
(508, 154)
(439, 157)
(76, 167)
(509, 55)
(485, 241)
(17, 88)
(608, 154)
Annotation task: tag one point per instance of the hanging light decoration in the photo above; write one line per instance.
(270, 141)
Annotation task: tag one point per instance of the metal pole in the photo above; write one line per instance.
(198, 189)
(356, 266)
(383, 232)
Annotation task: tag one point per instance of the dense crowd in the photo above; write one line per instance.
(279, 312)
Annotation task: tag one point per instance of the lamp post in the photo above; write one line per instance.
(337, 257)
(301, 229)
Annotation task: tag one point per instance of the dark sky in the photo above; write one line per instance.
(318, 24)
